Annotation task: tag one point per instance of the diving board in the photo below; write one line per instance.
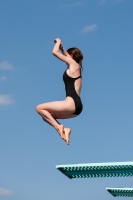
(121, 192)
(95, 170)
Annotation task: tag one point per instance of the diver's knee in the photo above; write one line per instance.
(38, 109)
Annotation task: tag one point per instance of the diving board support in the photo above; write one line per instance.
(121, 192)
(95, 170)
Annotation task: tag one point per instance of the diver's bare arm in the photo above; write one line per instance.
(58, 46)
(64, 52)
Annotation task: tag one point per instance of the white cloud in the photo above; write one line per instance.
(6, 66)
(5, 192)
(89, 28)
(3, 78)
(72, 5)
(102, 2)
(6, 99)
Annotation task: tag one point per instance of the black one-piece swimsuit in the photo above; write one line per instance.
(70, 91)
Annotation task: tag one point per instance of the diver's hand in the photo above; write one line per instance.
(57, 40)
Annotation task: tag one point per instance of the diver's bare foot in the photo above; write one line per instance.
(63, 136)
(61, 130)
(67, 135)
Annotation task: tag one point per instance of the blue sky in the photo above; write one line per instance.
(29, 74)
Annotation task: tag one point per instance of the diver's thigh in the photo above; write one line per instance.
(57, 106)
(63, 115)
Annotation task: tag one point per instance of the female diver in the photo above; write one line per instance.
(72, 105)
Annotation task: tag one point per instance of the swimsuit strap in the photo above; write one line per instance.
(72, 77)
(78, 77)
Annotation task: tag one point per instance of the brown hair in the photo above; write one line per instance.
(76, 54)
